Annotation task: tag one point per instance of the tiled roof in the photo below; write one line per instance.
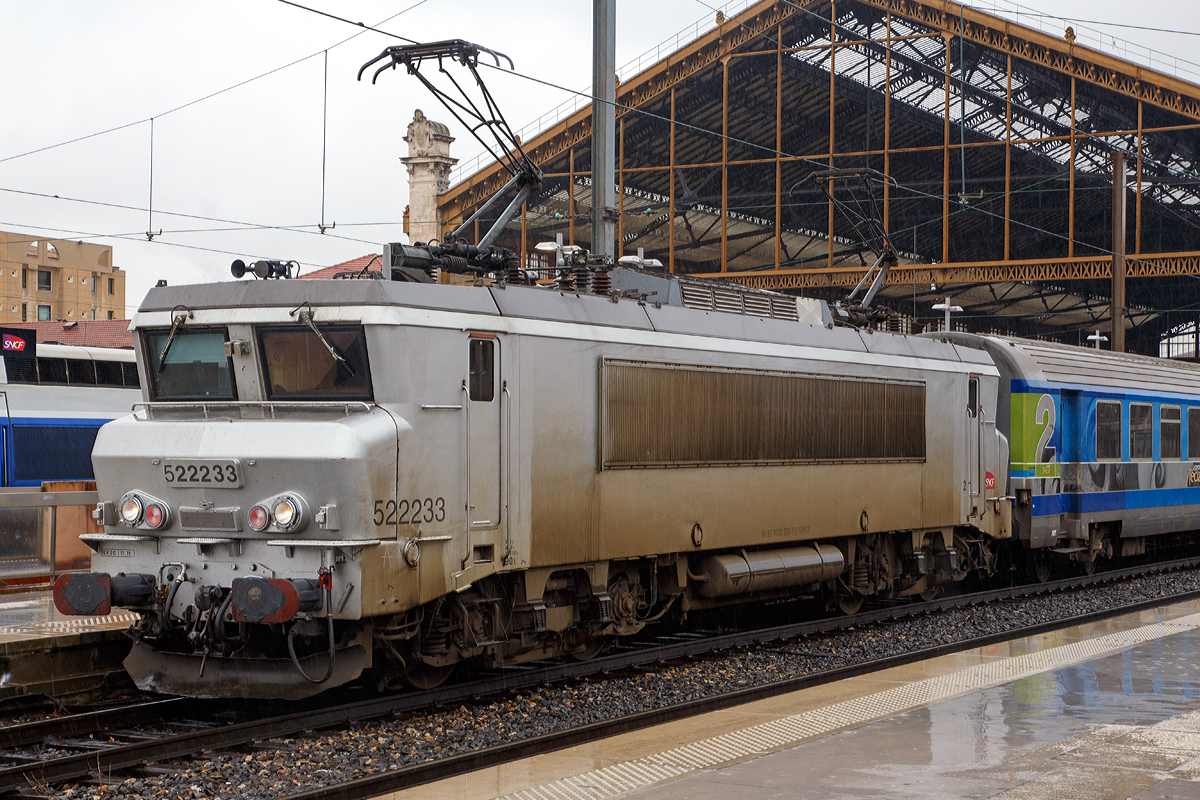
(346, 266)
(84, 333)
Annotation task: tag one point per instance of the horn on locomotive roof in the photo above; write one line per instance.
(264, 268)
(476, 114)
(867, 222)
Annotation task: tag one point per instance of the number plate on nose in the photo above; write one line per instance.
(209, 473)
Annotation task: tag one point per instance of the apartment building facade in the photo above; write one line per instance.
(56, 279)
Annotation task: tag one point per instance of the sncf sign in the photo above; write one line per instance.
(18, 343)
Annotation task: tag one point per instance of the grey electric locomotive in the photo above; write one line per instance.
(381, 478)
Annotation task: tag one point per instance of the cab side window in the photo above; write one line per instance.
(482, 359)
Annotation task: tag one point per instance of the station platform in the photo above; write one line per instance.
(72, 659)
(1105, 710)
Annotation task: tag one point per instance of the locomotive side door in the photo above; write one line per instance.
(975, 451)
(484, 394)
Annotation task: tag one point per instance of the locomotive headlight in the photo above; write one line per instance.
(286, 513)
(131, 509)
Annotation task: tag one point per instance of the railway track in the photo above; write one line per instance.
(97, 745)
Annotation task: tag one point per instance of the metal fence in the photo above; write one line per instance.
(39, 533)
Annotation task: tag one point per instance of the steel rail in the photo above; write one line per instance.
(34, 733)
(120, 757)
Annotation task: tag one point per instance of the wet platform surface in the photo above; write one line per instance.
(1107, 710)
(74, 659)
(31, 615)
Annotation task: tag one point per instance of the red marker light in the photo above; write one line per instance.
(154, 515)
(259, 518)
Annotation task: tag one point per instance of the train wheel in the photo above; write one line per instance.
(930, 594)
(1087, 565)
(1039, 565)
(850, 603)
(425, 676)
(591, 649)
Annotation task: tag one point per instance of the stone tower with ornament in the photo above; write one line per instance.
(429, 165)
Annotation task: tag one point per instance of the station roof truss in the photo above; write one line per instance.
(998, 140)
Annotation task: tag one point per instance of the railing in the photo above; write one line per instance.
(1090, 37)
(1055, 26)
(39, 533)
(267, 407)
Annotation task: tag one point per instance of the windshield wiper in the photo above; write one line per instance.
(307, 318)
(176, 323)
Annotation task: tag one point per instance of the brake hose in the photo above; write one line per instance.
(326, 579)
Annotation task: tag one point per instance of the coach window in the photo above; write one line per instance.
(1141, 431)
(299, 364)
(1169, 434)
(1108, 431)
(1193, 429)
(482, 384)
(193, 367)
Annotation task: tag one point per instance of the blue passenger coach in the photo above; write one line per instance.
(52, 405)
(1102, 445)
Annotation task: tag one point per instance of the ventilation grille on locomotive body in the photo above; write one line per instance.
(738, 301)
(661, 415)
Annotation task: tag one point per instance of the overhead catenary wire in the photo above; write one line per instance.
(640, 111)
(220, 92)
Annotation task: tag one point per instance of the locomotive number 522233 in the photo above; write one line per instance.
(410, 512)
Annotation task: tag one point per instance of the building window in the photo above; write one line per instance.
(1169, 433)
(43, 313)
(51, 251)
(93, 286)
(1141, 430)
(24, 312)
(43, 280)
(32, 250)
(110, 315)
(110, 285)
(70, 279)
(1108, 431)
(70, 312)
(24, 278)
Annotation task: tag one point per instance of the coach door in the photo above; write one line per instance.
(975, 427)
(485, 391)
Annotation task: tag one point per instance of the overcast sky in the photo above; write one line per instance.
(251, 156)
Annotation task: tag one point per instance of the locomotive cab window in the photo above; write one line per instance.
(973, 397)
(1108, 431)
(1169, 441)
(1141, 431)
(299, 364)
(193, 367)
(482, 382)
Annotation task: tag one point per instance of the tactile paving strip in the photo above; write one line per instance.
(629, 776)
(73, 625)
